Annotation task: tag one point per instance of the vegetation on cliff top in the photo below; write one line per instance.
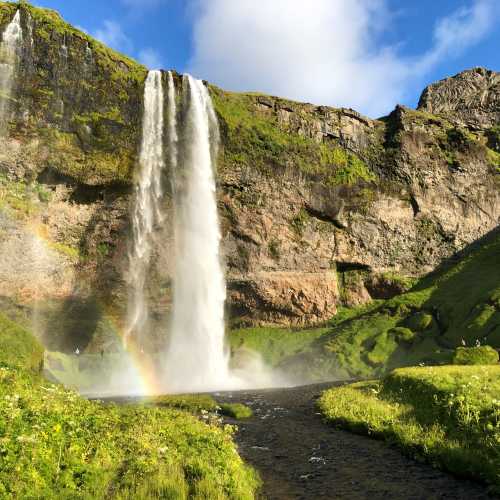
(258, 139)
(49, 21)
(449, 415)
(84, 99)
(54, 444)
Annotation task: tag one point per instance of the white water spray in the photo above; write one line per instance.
(196, 358)
(146, 212)
(9, 55)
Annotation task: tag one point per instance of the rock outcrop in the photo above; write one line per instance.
(319, 206)
(471, 98)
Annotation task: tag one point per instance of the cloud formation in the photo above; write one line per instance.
(151, 58)
(323, 51)
(460, 30)
(111, 34)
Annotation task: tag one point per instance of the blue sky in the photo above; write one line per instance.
(365, 54)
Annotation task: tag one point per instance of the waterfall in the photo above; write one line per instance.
(9, 55)
(172, 125)
(146, 211)
(196, 358)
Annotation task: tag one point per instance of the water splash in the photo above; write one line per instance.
(196, 358)
(146, 211)
(9, 56)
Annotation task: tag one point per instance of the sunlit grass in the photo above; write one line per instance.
(449, 415)
(55, 444)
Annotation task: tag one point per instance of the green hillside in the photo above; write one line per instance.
(55, 444)
(457, 304)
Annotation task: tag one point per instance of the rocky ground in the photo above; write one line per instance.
(300, 457)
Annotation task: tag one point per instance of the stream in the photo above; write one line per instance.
(298, 456)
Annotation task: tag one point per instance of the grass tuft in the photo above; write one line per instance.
(236, 410)
(480, 355)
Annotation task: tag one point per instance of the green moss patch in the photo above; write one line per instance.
(236, 410)
(480, 355)
(255, 138)
(18, 348)
(275, 344)
(447, 415)
(194, 403)
(20, 199)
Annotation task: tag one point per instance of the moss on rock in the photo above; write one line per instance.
(257, 132)
(18, 347)
(81, 100)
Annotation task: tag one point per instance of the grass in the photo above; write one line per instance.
(193, 403)
(18, 348)
(448, 415)
(480, 355)
(275, 344)
(236, 410)
(55, 444)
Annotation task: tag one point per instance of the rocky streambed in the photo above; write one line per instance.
(300, 457)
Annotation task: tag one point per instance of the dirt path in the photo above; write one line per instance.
(300, 457)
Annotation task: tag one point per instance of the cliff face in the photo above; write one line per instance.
(66, 165)
(323, 206)
(319, 206)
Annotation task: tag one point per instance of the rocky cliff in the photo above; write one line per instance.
(319, 206)
(324, 206)
(471, 98)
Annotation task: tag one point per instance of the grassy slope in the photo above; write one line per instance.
(460, 301)
(450, 415)
(55, 444)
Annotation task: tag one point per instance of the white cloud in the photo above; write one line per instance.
(111, 34)
(324, 51)
(459, 31)
(151, 58)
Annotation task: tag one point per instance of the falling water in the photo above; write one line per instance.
(146, 212)
(172, 125)
(9, 54)
(196, 358)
